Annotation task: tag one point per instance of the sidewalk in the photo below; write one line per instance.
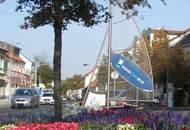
(4, 103)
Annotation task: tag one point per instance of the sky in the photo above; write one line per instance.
(81, 45)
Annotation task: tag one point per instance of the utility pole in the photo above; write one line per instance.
(36, 63)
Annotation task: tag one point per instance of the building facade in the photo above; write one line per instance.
(174, 36)
(3, 71)
(16, 69)
(28, 69)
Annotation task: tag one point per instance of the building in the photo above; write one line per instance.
(174, 36)
(17, 74)
(3, 71)
(28, 69)
(91, 79)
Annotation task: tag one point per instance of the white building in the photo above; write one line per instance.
(28, 64)
(17, 73)
(91, 78)
(174, 37)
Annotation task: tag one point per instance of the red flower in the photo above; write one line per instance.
(49, 126)
(129, 120)
(185, 128)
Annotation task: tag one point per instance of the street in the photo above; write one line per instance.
(68, 107)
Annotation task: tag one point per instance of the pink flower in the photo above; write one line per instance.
(48, 126)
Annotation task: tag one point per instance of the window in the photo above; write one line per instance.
(2, 64)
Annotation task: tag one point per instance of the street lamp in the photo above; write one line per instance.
(36, 63)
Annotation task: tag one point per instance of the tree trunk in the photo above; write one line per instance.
(57, 71)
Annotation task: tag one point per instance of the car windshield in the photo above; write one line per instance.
(47, 95)
(23, 92)
(48, 91)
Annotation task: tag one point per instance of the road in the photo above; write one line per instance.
(68, 107)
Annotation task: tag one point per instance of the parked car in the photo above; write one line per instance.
(25, 97)
(46, 98)
(46, 91)
(64, 98)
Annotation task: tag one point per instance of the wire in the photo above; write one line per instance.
(120, 21)
(153, 15)
(167, 14)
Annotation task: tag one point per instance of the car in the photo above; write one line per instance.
(46, 91)
(64, 98)
(25, 97)
(46, 98)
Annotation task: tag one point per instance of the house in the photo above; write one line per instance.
(3, 70)
(27, 69)
(91, 79)
(16, 75)
(174, 36)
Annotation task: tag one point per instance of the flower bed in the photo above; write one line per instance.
(117, 119)
(25, 117)
(148, 120)
(48, 126)
(5, 127)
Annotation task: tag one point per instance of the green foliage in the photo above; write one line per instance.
(179, 60)
(93, 126)
(141, 127)
(43, 12)
(60, 13)
(160, 58)
(130, 6)
(102, 74)
(64, 87)
(1, 1)
(170, 65)
(45, 74)
(75, 82)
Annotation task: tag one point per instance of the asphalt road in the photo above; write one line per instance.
(68, 107)
(8, 109)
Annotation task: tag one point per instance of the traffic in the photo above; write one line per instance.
(31, 97)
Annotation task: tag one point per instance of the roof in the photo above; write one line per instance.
(185, 41)
(3, 50)
(94, 84)
(7, 46)
(172, 32)
(89, 72)
(22, 55)
(183, 37)
(14, 57)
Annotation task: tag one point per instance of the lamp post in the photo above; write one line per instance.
(36, 71)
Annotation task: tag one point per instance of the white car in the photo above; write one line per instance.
(46, 98)
(25, 97)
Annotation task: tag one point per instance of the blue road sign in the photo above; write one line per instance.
(131, 72)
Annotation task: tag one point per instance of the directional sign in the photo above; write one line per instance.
(131, 72)
(95, 99)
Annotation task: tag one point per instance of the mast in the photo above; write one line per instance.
(109, 55)
(151, 73)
